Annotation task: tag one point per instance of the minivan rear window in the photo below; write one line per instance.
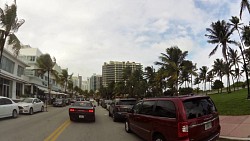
(198, 107)
(126, 102)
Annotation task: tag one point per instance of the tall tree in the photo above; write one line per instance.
(235, 23)
(203, 76)
(219, 34)
(45, 65)
(171, 63)
(9, 24)
(65, 77)
(244, 5)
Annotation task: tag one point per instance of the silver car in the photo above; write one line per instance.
(30, 105)
(8, 108)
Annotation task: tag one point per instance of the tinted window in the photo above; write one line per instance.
(137, 107)
(199, 107)
(7, 101)
(147, 107)
(126, 102)
(83, 104)
(165, 109)
(2, 101)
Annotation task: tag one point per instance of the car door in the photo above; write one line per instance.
(35, 105)
(2, 107)
(133, 116)
(145, 119)
(9, 106)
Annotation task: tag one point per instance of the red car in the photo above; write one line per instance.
(183, 118)
(82, 110)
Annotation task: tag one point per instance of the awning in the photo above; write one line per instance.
(43, 89)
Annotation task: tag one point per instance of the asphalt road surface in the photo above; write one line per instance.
(55, 125)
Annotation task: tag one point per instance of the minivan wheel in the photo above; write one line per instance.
(158, 137)
(127, 127)
(14, 114)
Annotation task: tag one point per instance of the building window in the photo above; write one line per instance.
(7, 65)
(31, 58)
(20, 71)
(19, 89)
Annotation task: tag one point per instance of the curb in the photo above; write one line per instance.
(235, 138)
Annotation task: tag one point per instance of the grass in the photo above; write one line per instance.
(234, 103)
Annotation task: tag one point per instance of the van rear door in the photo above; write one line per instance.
(202, 118)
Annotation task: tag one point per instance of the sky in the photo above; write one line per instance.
(83, 34)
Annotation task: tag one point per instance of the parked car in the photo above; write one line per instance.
(175, 119)
(82, 110)
(30, 105)
(119, 107)
(59, 102)
(8, 108)
(105, 102)
(108, 103)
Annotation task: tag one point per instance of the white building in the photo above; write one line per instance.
(12, 79)
(38, 85)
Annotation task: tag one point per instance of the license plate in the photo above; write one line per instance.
(81, 116)
(208, 125)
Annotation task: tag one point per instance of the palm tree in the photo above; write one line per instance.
(9, 24)
(234, 59)
(65, 78)
(171, 64)
(243, 5)
(235, 22)
(203, 76)
(45, 65)
(220, 33)
(218, 68)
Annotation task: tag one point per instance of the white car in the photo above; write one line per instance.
(8, 108)
(30, 105)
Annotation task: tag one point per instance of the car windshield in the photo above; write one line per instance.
(27, 100)
(199, 107)
(83, 104)
(126, 102)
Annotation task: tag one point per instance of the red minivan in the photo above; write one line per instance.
(182, 118)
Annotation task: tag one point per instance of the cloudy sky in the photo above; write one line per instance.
(83, 34)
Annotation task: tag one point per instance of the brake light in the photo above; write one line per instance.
(91, 111)
(71, 110)
(182, 129)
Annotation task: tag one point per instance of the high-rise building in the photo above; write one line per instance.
(113, 71)
(95, 82)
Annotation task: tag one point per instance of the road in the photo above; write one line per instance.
(55, 125)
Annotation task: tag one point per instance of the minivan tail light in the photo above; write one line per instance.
(182, 129)
(91, 111)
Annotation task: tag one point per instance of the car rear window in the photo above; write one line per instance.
(199, 107)
(83, 104)
(126, 102)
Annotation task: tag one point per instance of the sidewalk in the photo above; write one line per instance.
(235, 127)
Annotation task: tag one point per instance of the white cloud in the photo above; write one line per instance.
(83, 34)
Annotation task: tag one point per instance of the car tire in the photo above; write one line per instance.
(31, 111)
(42, 109)
(158, 137)
(72, 119)
(14, 113)
(114, 118)
(127, 127)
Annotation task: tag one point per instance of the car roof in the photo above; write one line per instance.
(181, 97)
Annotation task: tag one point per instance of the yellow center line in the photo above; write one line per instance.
(53, 136)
